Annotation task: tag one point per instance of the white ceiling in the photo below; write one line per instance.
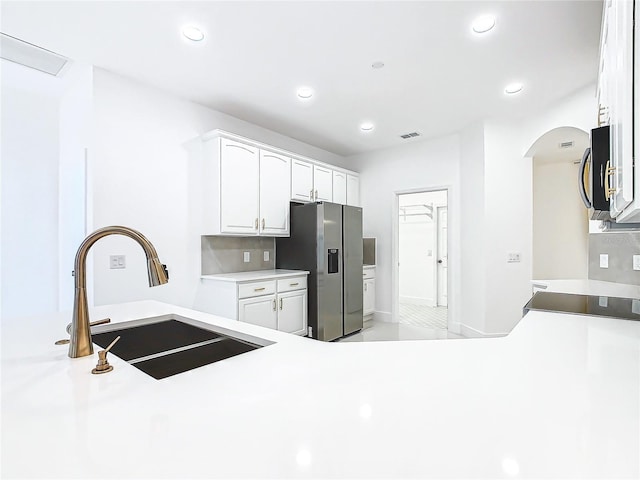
(438, 76)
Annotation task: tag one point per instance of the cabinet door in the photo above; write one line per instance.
(239, 174)
(339, 187)
(292, 312)
(368, 296)
(301, 181)
(322, 184)
(275, 184)
(353, 190)
(620, 52)
(261, 311)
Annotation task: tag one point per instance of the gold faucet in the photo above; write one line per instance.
(80, 344)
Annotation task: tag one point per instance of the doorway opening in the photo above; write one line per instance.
(560, 221)
(423, 259)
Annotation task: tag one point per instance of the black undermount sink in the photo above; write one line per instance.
(168, 345)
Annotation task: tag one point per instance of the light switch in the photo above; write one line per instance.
(636, 262)
(603, 301)
(247, 257)
(117, 261)
(604, 260)
(513, 257)
(266, 255)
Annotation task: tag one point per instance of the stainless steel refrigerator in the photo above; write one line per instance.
(326, 239)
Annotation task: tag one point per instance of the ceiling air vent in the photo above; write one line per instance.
(410, 135)
(29, 55)
(566, 144)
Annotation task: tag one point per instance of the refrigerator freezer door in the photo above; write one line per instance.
(329, 279)
(352, 268)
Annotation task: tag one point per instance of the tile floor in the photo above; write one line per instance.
(423, 316)
(377, 331)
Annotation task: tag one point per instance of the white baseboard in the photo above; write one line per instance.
(467, 331)
(454, 327)
(427, 302)
(383, 316)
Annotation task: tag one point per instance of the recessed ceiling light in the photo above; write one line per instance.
(513, 88)
(305, 93)
(483, 23)
(366, 126)
(192, 33)
(377, 65)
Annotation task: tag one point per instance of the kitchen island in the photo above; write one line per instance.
(558, 397)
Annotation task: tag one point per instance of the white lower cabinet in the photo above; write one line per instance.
(272, 300)
(368, 291)
(292, 312)
(259, 311)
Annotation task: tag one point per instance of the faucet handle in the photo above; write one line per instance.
(103, 365)
(92, 324)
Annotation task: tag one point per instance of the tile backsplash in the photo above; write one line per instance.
(226, 254)
(619, 247)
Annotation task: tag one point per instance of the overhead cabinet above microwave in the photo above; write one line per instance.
(618, 97)
(243, 187)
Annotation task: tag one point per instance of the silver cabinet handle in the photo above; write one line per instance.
(293, 284)
(316, 194)
(263, 224)
(365, 287)
(256, 224)
(311, 194)
(280, 304)
(274, 304)
(259, 289)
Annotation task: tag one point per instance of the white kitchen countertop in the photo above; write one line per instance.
(558, 397)
(255, 275)
(590, 287)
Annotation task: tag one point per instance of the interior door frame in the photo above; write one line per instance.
(436, 270)
(395, 270)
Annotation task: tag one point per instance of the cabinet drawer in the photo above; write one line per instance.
(255, 289)
(295, 283)
(368, 273)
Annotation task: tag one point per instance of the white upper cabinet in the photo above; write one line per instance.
(618, 106)
(241, 187)
(339, 187)
(239, 181)
(274, 194)
(322, 184)
(619, 57)
(353, 190)
(301, 181)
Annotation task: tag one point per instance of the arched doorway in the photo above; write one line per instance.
(560, 221)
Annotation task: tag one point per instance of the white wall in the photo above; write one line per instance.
(418, 165)
(29, 200)
(560, 222)
(140, 175)
(509, 204)
(508, 226)
(45, 129)
(472, 230)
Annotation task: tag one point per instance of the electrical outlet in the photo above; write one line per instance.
(635, 306)
(603, 301)
(266, 255)
(247, 257)
(604, 260)
(636, 262)
(117, 261)
(513, 257)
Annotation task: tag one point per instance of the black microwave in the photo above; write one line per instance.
(592, 179)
